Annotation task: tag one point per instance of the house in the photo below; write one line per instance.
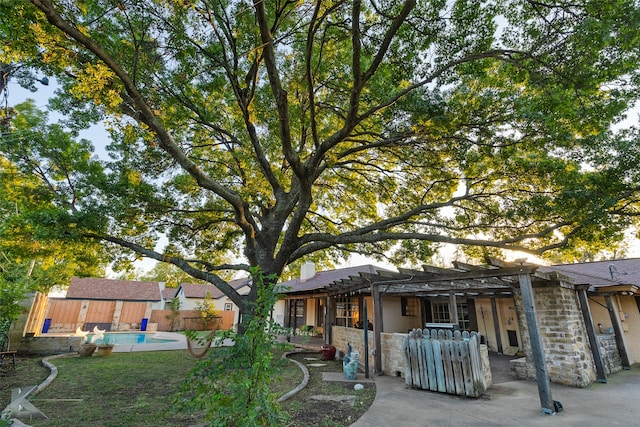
(115, 305)
(570, 301)
(191, 295)
(303, 301)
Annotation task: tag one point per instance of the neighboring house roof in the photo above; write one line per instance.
(322, 279)
(601, 273)
(169, 293)
(109, 289)
(192, 290)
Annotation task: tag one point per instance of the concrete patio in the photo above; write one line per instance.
(507, 404)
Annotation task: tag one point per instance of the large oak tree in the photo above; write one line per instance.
(260, 133)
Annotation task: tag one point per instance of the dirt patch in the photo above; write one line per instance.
(28, 371)
(334, 408)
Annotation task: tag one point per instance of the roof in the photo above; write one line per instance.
(601, 273)
(116, 290)
(497, 278)
(323, 279)
(192, 290)
(169, 293)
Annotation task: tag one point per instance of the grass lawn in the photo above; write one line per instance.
(124, 389)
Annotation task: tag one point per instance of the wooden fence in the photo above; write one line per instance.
(444, 361)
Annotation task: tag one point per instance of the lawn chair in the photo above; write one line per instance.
(7, 357)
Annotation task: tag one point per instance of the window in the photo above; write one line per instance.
(463, 316)
(347, 313)
(409, 306)
(440, 314)
(228, 306)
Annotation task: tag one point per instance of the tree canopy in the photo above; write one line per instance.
(35, 255)
(253, 133)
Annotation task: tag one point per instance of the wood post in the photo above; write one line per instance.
(537, 349)
(601, 375)
(365, 322)
(377, 328)
(453, 309)
(617, 329)
(496, 325)
(330, 320)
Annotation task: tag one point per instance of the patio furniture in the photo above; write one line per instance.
(7, 356)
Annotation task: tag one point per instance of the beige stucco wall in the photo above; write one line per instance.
(630, 320)
(629, 316)
(277, 314)
(310, 318)
(507, 320)
(394, 321)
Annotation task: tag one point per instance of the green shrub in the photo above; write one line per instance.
(232, 384)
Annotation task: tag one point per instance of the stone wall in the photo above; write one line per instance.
(342, 336)
(392, 354)
(566, 348)
(610, 355)
(44, 345)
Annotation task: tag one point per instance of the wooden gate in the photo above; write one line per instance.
(444, 361)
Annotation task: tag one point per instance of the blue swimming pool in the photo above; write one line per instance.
(119, 338)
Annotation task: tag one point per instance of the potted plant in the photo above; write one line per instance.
(105, 347)
(86, 348)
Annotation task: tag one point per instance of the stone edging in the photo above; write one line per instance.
(53, 373)
(303, 384)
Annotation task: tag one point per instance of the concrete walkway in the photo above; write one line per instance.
(513, 403)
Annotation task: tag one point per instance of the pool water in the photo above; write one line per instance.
(128, 338)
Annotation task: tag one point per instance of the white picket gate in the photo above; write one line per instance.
(444, 361)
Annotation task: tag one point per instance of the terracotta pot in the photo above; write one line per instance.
(105, 350)
(86, 349)
(328, 352)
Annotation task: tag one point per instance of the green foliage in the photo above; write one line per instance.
(13, 286)
(174, 317)
(171, 275)
(236, 380)
(207, 309)
(34, 232)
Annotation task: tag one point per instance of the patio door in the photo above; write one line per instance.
(320, 312)
(295, 313)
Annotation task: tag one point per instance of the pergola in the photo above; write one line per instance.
(497, 279)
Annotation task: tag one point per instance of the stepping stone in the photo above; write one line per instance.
(311, 358)
(317, 365)
(348, 399)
